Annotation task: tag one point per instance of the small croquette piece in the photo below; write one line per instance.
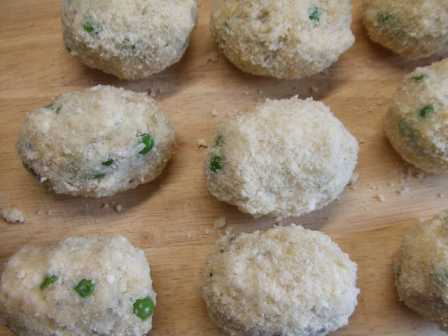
(96, 142)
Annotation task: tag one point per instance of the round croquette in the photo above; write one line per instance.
(287, 158)
(96, 142)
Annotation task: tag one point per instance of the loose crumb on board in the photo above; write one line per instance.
(213, 57)
(202, 143)
(12, 216)
(380, 197)
(118, 208)
(220, 223)
(214, 113)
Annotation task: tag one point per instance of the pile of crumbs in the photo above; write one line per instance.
(12, 215)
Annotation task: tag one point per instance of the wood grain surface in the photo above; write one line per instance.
(172, 219)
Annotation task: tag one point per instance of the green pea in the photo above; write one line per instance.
(314, 14)
(426, 111)
(144, 308)
(148, 141)
(419, 78)
(108, 163)
(216, 163)
(90, 27)
(85, 288)
(48, 281)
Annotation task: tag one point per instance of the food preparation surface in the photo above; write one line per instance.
(173, 218)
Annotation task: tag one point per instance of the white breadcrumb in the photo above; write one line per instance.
(214, 113)
(380, 197)
(202, 143)
(256, 164)
(285, 281)
(12, 215)
(119, 271)
(220, 222)
(118, 208)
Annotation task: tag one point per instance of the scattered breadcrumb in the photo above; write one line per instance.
(403, 190)
(49, 212)
(202, 143)
(12, 215)
(118, 208)
(314, 89)
(214, 113)
(380, 197)
(39, 212)
(213, 58)
(220, 223)
(105, 206)
(440, 195)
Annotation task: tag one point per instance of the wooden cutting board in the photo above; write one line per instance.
(172, 219)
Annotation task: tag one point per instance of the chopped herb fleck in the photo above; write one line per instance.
(216, 163)
(385, 18)
(314, 14)
(143, 308)
(48, 281)
(419, 78)
(85, 288)
(426, 111)
(408, 132)
(148, 141)
(108, 163)
(127, 44)
(54, 108)
(219, 140)
(99, 176)
(441, 278)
